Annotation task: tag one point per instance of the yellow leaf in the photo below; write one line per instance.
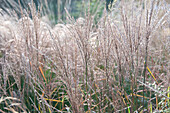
(53, 91)
(42, 74)
(150, 107)
(53, 100)
(122, 97)
(152, 75)
(49, 109)
(139, 96)
(39, 108)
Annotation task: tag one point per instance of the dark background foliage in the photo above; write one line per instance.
(55, 9)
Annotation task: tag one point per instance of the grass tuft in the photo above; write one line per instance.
(118, 64)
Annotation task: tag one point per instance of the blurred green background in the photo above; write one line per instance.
(55, 9)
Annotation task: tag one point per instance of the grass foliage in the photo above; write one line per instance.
(119, 64)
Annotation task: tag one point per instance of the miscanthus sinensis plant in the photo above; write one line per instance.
(120, 64)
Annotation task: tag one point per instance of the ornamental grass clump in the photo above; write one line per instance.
(119, 64)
